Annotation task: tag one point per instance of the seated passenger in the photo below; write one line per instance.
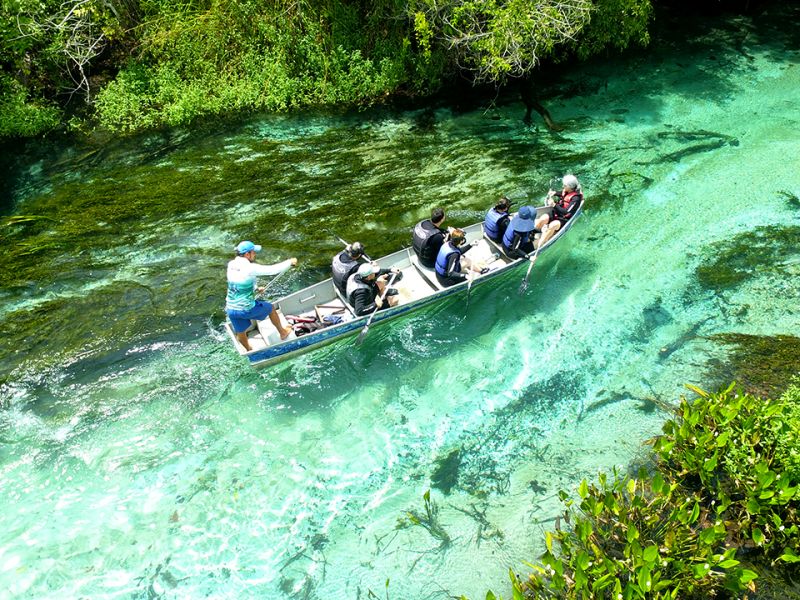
(564, 204)
(365, 288)
(518, 238)
(345, 264)
(496, 222)
(451, 264)
(428, 237)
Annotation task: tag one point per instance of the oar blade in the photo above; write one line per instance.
(362, 335)
(523, 287)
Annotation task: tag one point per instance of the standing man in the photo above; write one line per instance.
(345, 264)
(429, 237)
(240, 302)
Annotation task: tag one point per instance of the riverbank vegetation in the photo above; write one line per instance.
(129, 65)
(717, 515)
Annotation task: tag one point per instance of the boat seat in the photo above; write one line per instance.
(344, 302)
(270, 334)
(494, 245)
(429, 275)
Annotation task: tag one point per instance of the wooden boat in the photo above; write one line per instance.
(320, 305)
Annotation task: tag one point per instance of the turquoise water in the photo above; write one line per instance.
(141, 458)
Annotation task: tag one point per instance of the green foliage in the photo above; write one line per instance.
(234, 56)
(499, 39)
(615, 24)
(20, 116)
(156, 62)
(725, 491)
(787, 443)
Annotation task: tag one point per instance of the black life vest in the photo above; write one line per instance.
(342, 267)
(423, 241)
(353, 284)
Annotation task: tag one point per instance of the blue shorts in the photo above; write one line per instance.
(240, 319)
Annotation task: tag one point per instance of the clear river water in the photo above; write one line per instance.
(140, 457)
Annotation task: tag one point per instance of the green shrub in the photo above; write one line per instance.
(721, 505)
(20, 115)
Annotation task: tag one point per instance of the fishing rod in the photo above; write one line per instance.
(347, 246)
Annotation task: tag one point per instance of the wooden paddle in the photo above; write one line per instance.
(365, 329)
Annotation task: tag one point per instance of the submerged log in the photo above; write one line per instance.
(531, 102)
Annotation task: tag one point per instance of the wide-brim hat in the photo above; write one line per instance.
(523, 220)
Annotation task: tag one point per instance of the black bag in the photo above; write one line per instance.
(304, 326)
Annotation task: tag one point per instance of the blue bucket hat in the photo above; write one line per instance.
(523, 220)
(245, 247)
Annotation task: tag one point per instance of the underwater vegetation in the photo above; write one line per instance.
(791, 199)
(765, 250)
(762, 365)
(482, 465)
(445, 472)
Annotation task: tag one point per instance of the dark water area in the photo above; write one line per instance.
(142, 457)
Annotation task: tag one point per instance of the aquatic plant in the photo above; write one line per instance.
(429, 520)
(722, 506)
(758, 252)
(763, 365)
(445, 473)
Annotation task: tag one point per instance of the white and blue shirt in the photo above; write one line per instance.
(242, 281)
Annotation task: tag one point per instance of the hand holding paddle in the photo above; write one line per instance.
(365, 329)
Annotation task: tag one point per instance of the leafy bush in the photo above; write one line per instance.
(721, 505)
(21, 116)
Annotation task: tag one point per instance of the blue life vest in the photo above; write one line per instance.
(491, 226)
(508, 238)
(444, 254)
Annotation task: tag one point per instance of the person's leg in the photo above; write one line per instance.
(551, 230)
(240, 323)
(467, 265)
(242, 337)
(541, 221)
(275, 319)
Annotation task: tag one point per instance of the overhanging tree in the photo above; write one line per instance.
(497, 41)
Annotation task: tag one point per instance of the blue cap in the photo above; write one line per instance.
(523, 221)
(245, 247)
